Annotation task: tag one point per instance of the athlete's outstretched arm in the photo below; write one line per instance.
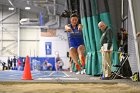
(68, 28)
(80, 27)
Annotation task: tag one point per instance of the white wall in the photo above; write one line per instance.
(29, 41)
(33, 44)
(8, 32)
(58, 45)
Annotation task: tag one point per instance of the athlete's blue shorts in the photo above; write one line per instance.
(75, 40)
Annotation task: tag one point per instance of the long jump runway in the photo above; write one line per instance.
(51, 76)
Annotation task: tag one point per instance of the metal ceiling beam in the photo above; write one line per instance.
(10, 22)
(36, 5)
(4, 29)
(18, 35)
(4, 48)
(11, 3)
(6, 40)
(21, 4)
(38, 27)
(7, 16)
(54, 7)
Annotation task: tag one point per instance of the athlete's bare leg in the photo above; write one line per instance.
(70, 64)
(74, 56)
(81, 51)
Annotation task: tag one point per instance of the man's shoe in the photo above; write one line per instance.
(105, 78)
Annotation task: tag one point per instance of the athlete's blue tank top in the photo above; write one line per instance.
(75, 37)
(73, 29)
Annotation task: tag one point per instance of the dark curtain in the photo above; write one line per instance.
(73, 5)
(92, 12)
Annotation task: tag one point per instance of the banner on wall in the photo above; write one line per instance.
(48, 32)
(48, 48)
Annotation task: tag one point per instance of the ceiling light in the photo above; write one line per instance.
(11, 8)
(27, 8)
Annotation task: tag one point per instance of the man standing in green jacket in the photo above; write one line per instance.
(106, 49)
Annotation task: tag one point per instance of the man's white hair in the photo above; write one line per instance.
(101, 23)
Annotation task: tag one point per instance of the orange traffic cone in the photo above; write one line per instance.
(27, 71)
